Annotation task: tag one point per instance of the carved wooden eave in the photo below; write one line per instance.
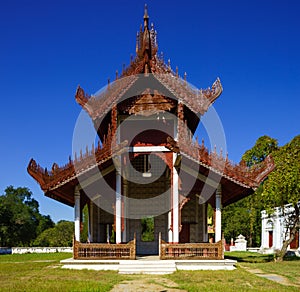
(196, 100)
(238, 174)
(99, 105)
(51, 181)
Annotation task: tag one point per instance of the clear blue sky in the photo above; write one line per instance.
(47, 48)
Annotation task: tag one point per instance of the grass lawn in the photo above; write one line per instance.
(42, 272)
(290, 268)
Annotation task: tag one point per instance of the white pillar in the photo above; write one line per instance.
(218, 218)
(77, 214)
(170, 232)
(124, 197)
(118, 208)
(175, 205)
(264, 232)
(278, 229)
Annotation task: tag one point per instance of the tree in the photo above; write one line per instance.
(264, 146)
(59, 235)
(283, 187)
(235, 220)
(244, 216)
(20, 220)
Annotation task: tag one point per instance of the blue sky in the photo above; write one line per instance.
(47, 48)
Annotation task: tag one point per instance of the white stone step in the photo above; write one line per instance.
(147, 267)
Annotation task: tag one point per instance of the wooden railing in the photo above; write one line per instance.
(98, 251)
(192, 251)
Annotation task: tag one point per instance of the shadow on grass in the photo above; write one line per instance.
(291, 258)
(249, 257)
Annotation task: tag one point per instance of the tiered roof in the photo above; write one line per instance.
(169, 90)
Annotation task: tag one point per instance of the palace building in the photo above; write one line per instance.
(146, 181)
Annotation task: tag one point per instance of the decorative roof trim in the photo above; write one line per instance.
(237, 173)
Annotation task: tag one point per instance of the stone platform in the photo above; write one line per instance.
(148, 265)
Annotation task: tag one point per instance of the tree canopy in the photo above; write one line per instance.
(264, 146)
(280, 188)
(60, 235)
(244, 216)
(283, 187)
(20, 220)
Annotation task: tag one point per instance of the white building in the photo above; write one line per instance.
(274, 230)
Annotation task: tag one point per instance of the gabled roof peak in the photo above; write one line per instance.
(146, 45)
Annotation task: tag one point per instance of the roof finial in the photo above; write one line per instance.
(137, 42)
(146, 16)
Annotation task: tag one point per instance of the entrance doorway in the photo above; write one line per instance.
(270, 238)
(148, 202)
(150, 245)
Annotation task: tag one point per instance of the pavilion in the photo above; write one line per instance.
(148, 182)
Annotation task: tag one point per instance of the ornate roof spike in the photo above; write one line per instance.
(177, 71)
(146, 16)
(169, 63)
(117, 74)
(197, 141)
(137, 42)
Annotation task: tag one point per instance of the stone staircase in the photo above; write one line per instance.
(147, 266)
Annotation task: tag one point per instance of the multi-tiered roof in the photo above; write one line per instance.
(127, 95)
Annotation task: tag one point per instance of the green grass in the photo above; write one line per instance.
(289, 268)
(237, 280)
(248, 257)
(42, 272)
